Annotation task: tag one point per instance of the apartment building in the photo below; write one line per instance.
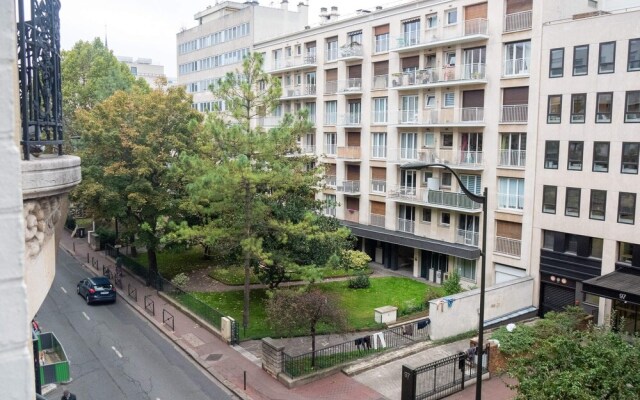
(586, 185)
(225, 34)
(395, 89)
(145, 69)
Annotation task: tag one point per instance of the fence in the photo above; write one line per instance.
(399, 336)
(441, 378)
(201, 309)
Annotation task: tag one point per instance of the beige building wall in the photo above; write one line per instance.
(143, 68)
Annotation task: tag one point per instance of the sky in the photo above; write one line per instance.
(147, 28)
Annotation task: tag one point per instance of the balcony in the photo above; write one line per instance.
(453, 158)
(519, 21)
(330, 119)
(297, 63)
(512, 158)
(330, 150)
(377, 220)
(331, 87)
(508, 246)
(350, 187)
(331, 54)
(378, 187)
(517, 67)
(351, 119)
(403, 154)
(349, 152)
(514, 114)
(380, 82)
(351, 52)
(470, 238)
(269, 122)
(468, 74)
(468, 31)
(436, 198)
(444, 117)
(299, 92)
(309, 149)
(350, 86)
(330, 181)
(329, 211)
(508, 201)
(352, 216)
(378, 152)
(379, 117)
(406, 225)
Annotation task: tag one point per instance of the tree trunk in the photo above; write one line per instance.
(152, 276)
(313, 346)
(247, 255)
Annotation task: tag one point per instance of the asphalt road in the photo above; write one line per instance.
(114, 353)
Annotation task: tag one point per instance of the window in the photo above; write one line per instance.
(511, 193)
(426, 215)
(570, 243)
(549, 194)
(576, 150)
(134, 71)
(572, 202)
(548, 240)
(598, 204)
(429, 101)
(379, 145)
(409, 111)
(554, 109)
(332, 49)
(381, 34)
(581, 60)
(607, 59)
(632, 106)
(429, 139)
(466, 269)
(330, 112)
(409, 146)
(551, 154)
(287, 51)
(298, 49)
(600, 157)
(516, 58)
(578, 108)
(426, 175)
(451, 16)
(472, 182)
(604, 103)
(411, 32)
(556, 63)
(445, 179)
(330, 142)
(626, 208)
(448, 99)
(432, 21)
(450, 58)
(330, 204)
(354, 37)
(630, 153)
(595, 247)
(445, 218)
(625, 252)
(446, 139)
(633, 58)
(380, 110)
(513, 149)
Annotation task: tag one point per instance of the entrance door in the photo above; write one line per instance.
(555, 298)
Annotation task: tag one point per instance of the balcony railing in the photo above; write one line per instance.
(350, 85)
(330, 180)
(508, 246)
(479, 26)
(352, 50)
(378, 186)
(507, 201)
(406, 225)
(349, 187)
(299, 91)
(331, 87)
(309, 149)
(380, 82)
(351, 119)
(432, 76)
(270, 121)
(352, 215)
(349, 152)
(515, 113)
(512, 158)
(329, 211)
(517, 21)
(376, 220)
(403, 192)
(331, 54)
(443, 116)
(452, 157)
(402, 154)
(330, 149)
(330, 118)
(448, 199)
(378, 151)
(379, 117)
(516, 67)
(308, 60)
(469, 238)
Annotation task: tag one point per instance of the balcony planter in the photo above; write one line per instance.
(54, 365)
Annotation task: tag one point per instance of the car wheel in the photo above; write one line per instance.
(86, 298)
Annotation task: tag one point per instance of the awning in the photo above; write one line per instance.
(409, 240)
(616, 285)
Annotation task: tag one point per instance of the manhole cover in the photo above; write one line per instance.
(213, 357)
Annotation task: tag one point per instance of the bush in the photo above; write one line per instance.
(107, 236)
(452, 285)
(431, 294)
(354, 259)
(70, 223)
(360, 281)
(180, 280)
(409, 307)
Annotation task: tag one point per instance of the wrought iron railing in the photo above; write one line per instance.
(508, 246)
(517, 21)
(40, 77)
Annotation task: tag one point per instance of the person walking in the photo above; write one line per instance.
(67, 395)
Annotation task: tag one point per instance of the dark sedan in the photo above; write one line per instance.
(97, 289)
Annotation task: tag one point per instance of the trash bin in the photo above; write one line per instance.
(81, 232)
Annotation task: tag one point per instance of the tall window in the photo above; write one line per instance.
(380, 111)
(556, 63)
(330, 112)
(354, 37)
(511, 193)
(551, 154)
(581, 60)
(409, 109)
(554, 109)
(549, 194)
(330, 142)
(411, 32)
(572, 202)
(601, 157)
(448, 99)
(598, 204)
(378, 144)
(604, 104)
(633, 57)
(409, 146)
(451, 16)
(630, 153)
(576, 150)
(472, 182)
(607, 58)
(632, 106)
(432, 21)
(466, 269)
(627, 208)
(513, 149)
(330, 204)
(578, 108)
(332, 49)
(517, 57)
(381, 38)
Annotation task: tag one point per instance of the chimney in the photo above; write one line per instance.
(324, 15)
(378, 8)
(334, 13)
(284, 5)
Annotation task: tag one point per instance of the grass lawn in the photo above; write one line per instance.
(234, 276)
(359, 303)
(172, 263)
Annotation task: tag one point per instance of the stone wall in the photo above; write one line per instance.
(272, 357)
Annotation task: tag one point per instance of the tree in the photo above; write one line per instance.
(561, 357)
(131, 146)
(290, 311)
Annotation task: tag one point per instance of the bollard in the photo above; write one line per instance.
(87, 258)
(245, 380)
(74, 247)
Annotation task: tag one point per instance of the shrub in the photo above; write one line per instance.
(354, 259)
(107, 236)
(360, 281)
(431, 294)
(452, 285)
(411, 307)
(180, 280)
(70, 223)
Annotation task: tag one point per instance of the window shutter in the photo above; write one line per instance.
(378, 173)
(511, 230)
(473, 98)
(355, 71)
(411, 62)
(515, 96)
(377, 208)
(514, 6)
(475, 11)
(331, 74)
(381, 30)
(381, 68)
(353, 203)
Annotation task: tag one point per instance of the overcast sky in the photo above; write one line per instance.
(147, 28)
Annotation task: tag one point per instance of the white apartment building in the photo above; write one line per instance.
(397, 88)
(587, 184)
(145, 69)
(225, 34)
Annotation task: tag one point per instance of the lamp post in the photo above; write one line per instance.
(482, 200)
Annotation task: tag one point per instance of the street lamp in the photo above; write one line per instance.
(483, 250)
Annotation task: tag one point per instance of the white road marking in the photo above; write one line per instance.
(63, 289)
(117, 352)
(86, 316)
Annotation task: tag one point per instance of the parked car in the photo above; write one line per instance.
(97, 289)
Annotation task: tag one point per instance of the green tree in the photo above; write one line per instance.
(131, 145)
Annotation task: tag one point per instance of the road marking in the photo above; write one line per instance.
(86, 316)
(117, 352)
(63, 289)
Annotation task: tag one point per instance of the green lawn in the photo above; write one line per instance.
(359, 304)
(172, 263)
(234, 276)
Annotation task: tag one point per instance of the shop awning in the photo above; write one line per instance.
(616, 285)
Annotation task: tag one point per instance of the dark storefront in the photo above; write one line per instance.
(623, 287)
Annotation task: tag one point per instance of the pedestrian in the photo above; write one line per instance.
(67, 395)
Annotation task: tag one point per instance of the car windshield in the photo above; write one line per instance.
(102, 284)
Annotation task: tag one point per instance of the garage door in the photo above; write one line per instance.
(555, 298)
(506, 273)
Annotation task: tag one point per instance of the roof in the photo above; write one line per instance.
(618, 285)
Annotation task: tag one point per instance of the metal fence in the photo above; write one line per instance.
(201, 309)
(399, 336)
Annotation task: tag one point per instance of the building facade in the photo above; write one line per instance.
(224, 35)
(145, 69)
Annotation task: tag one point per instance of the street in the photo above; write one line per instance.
(113, 352)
